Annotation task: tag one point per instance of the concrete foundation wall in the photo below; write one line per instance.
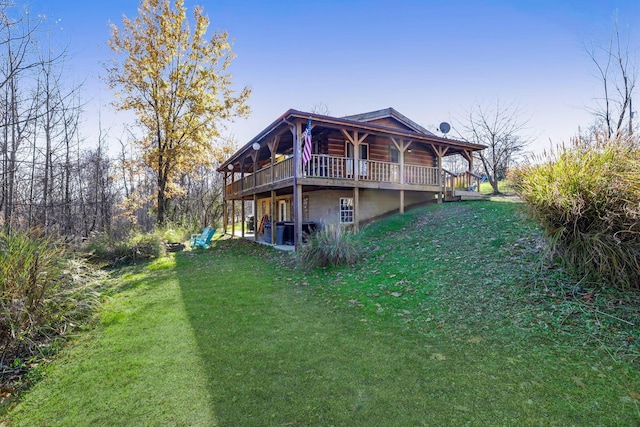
(324, 205)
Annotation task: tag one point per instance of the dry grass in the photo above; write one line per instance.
(587, 200)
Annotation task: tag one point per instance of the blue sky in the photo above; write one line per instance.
(430, 60)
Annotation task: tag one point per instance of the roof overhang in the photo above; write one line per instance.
(287, 121)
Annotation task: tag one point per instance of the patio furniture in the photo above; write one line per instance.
(202, 240)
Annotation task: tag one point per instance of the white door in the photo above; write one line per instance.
(349, 155)
(364, 156)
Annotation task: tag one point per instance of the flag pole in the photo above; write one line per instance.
(296, 173)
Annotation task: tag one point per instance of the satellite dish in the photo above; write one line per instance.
(444, 127)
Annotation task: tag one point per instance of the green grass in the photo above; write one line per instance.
(505, 186)
(141, 364)
(451, 319)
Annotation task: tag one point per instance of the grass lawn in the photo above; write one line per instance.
(451, 319)
(504, 186)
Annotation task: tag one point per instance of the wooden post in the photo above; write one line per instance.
(401, 151)
(255, 217)
(402, 146)
(356, 208)
(356, 157)
(297, 188)
(242, 163)
(297, 210)
(273, 149)
(233, 217)
(468, 155)
(255, 199)
(441, 178)
(355, 140)
(225, 214)
(273, 217)
(255, 169)
(242, 214)
(440, 152)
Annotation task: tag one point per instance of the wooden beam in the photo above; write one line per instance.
(440, 152)
(272, 144)
(348, 136)
(354, 138)
(242, 215)
(255, 168)
(356, 208)
(401, 144)
(255, 217)
(233, 217)
(272, 215)
(273, 149)
(297, 188)
(397, 143)
(225, 215)
(468, 155)
(297, 220)
(356, 156)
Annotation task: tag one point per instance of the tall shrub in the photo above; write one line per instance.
(330, 246)
(29, 269)
(43, 293)
(137, 246)
(586, 197)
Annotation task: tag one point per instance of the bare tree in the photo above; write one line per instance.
(39, 117)
(617, 72)
(59, 112)
(17, 60)
(499, 128)
(321, 108)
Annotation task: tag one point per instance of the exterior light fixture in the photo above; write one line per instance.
(230, 166)
(256, 146)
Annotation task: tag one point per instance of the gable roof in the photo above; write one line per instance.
(379, 116)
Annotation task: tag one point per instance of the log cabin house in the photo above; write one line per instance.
(360, 167)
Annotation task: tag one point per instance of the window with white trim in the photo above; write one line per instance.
(346, 210)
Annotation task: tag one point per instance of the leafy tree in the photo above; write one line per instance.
(176, 81)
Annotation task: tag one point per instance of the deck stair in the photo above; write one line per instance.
(469, 195)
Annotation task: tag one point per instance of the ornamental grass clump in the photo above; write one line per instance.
(586, 197)
(43, 293)
(137, 246)
(332, 245)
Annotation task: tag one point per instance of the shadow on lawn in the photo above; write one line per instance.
(277, 354)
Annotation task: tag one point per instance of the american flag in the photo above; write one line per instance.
(306, 147)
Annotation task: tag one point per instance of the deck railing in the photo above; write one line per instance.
(283, 170)
(324, 166)
(467, 181)
(380, 171)
(247, 181)
(337, 167)
(263, 176)
(422, 175)
(234, 187)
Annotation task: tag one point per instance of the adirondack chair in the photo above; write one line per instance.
(202, 240)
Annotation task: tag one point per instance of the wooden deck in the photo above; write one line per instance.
(336, 171)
